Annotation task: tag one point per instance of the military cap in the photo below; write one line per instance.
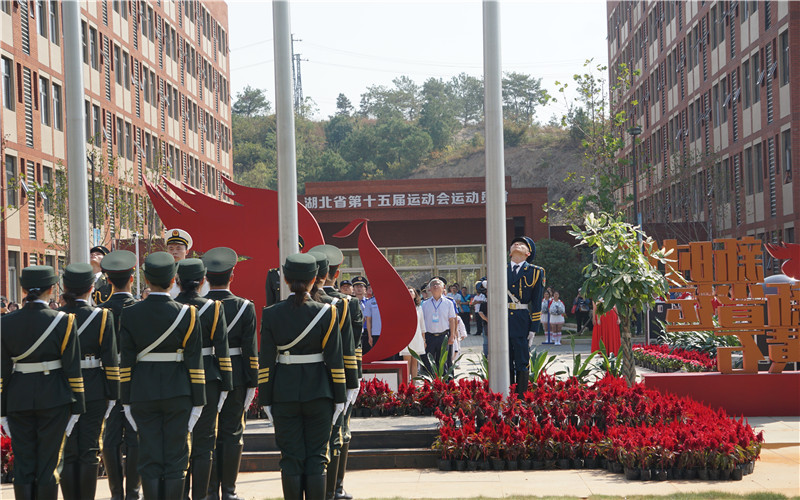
(178, 236)
(322, 263)
(159, 267)
(191, 269)
(346, 282)
(78, 276)
(37, 277)
(300, 242)
(530, 244)
(119, 262)
(300, 266)
(335, 256)
(360, 280)
(101, 249)
(219, 260)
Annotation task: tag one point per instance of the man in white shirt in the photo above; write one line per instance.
(440, 321)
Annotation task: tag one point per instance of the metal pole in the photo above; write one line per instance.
(138, 287)
(284, 110)
(499, 376)
(76, 136)
(94, 203)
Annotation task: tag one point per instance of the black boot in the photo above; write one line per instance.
(173, 488)
(87, 474)
(231, 458)
(340, 493)
(292, 487)
(113, 463)
(201, 471)
(151, 488)
(70, 486)
(47, 491)
(23, 491)
(315, 487)
(132, 479)
(330, 482)
(213, 481)
(187, 483)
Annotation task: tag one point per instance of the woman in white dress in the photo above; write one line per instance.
(418, 342)
(557, 311)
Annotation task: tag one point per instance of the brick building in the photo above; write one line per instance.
(425, 227)
(156, 76)
(717, 101)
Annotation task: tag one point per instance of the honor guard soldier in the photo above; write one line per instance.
(217, 366)
(351, 326)
(240, 315)
(301, 379)
(120, 266)
(162, 381)
(179, 242)
(273, 285)
(41, 384)
(100, 368)
(525, 288)
(102, 288)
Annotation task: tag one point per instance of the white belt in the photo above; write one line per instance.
(163, 357)
(235, 351)
(300, 359)
(90, 363)
(44, 366)
(208, 351)
(515, 305)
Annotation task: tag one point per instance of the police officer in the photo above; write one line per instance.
(102, 288)
(40, 386)
(525, 288)
(240, 315)
(119, 267)
(360, 285)
(100, 367)
(351, 327)
(217, 366)
(301, 379)
(162, 380)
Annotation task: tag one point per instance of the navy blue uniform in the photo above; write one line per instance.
(524, 314)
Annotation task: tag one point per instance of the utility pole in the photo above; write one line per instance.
(297, 85)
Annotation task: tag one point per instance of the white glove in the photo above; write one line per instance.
(352, 394)
(337, 410)
(268, 411)
(127, 410)
(531, 335)
(248, 398)
(195, 416)
(222, 397)
(73, 419)
(4, 427)
(110, 407)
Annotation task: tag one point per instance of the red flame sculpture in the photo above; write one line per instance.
(789, 252)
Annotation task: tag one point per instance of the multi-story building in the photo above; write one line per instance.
(156, 75)
(717, 99)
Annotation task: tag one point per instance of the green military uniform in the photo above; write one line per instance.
(117, 429)
(100, 367)
(219, 373)
(240, 315)
(162, 379)
(301, 377)
(40, 386)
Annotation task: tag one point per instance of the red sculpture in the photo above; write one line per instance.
(789, 252)
(398, 314)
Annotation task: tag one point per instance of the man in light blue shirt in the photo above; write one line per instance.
(439, 314)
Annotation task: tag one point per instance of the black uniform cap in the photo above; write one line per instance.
(322, 263)
(219, 260)
(360, 280)
(78, 276)
(159, 267)
(191, 269)
(37, 277)
(531, 246)
(119, 262)
(335, 256)
(346, 282)
(300, 266)
(100, 248)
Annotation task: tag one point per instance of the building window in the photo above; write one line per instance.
(126, 70)
(124, 10)
(44, 100)
(11, 181)
(784, 57)
(13, 276)
(96, 138)
(47, 182)
(746, 83)
(146, 84)
(54, 24)
(748, 170)
(786, 140)
(120, 138)
(117, 65)
(759, 173)
(57, 116)
(726, 99)
(153, 88)
(8, 83)
(757, 76)
(85, 41)
(86, 114)
(41, 12)
(94, 55)
(5, 5)
(128, 141)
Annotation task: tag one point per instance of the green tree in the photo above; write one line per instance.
(467, 94)
(522, 94)
(402, 100)
(438, 113)
(251, 102)
(337, 129)
(622, 273)
(343, 105)
(564, 267)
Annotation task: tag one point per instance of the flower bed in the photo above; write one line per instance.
(6, 459)
(665, 359)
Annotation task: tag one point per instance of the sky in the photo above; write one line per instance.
(348, 46)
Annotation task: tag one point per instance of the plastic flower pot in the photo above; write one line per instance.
(736, 474)
(512, 464)
(713, 474)
(549, 464)
(577, 463)
(461, 465)
(702, 474)
(661, 475)
(563, 463)
(445, 464)
(485, 465)
(375, 412)
(631, 473)
(590, 463)
(498, 464)
(645, 474)
(537, 464)
(525, 464)
(616, 467)
(472, 465)
(690, 473)
(678, 473)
